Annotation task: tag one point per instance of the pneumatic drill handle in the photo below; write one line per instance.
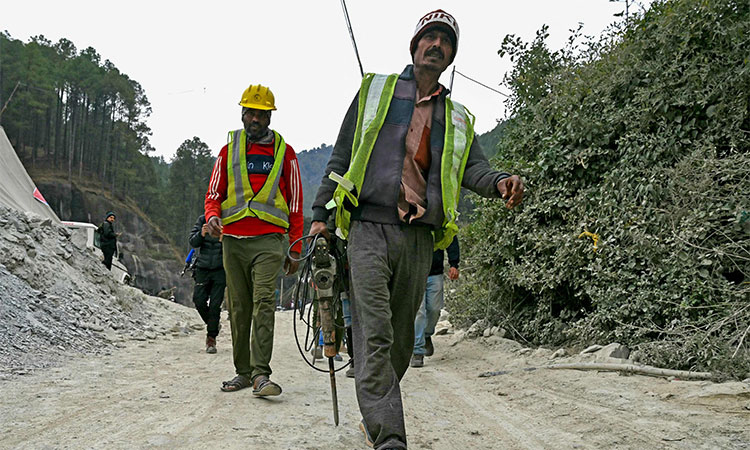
(324, 273)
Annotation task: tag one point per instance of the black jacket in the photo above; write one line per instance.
(209, 248)
(107, 236)
(438, 256)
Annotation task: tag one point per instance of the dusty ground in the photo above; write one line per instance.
(164, 393)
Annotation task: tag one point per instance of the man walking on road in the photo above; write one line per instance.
(254, 197)
(108, 239)
(429, 312)
(403, 152)
(210, 281)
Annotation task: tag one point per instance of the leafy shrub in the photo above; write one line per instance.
(636, 222)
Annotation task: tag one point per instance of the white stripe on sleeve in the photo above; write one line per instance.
(295, 179)
(213, 185)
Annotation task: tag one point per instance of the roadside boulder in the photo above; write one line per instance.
(591, 349)
(442, 327)
(477, 329)
(614, 350)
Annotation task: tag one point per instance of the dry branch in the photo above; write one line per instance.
(614, 367)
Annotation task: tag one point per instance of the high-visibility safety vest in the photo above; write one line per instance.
(268, 204)
(375, 96)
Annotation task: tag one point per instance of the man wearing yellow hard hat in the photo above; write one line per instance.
(404, 151)
(254, 198)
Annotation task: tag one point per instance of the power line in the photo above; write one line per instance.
(9, 99)
(478, 82)
(351, 33)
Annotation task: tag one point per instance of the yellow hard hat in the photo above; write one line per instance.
(258, 97)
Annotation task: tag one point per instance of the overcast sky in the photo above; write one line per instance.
(194, 59)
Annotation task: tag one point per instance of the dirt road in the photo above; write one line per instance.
(164, 393)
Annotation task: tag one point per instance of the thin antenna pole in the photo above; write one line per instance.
(627, 8)
(453, 74)
(351, 33)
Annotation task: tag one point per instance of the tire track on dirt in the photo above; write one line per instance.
(640, 421)
(486, 419)
(625, 427)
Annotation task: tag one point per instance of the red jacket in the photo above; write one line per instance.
(290, 186)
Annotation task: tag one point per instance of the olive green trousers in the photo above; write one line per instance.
(251, 266)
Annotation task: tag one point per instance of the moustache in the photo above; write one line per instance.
(435, 52)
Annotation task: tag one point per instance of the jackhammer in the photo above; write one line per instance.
(317, 304)
(324, 274)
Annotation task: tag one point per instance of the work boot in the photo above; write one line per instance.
(210, 344)
(429, 350)
(417, 361)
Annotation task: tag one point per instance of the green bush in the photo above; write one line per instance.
(636, 222)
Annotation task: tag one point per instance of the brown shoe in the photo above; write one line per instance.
(210, 344)
(264, 387)
(417, 361)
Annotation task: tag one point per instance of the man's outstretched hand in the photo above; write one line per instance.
(511, 189)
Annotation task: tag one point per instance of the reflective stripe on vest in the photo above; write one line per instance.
(374, 100)
(459, 135)
(268, 204)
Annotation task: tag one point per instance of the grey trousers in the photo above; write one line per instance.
(389, 266)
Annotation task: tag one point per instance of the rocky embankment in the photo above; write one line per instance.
(151, 259)
(57, 299)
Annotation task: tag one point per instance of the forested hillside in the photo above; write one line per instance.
(635, 148)
(312, 165)
(74, 112)
(489, 140)
(73, 115)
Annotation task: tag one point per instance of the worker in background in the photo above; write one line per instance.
(254, 198)
(429, 312)
(210, 280)
(403, 152)
(108, 238)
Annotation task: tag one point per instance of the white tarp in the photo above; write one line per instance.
(16, 187)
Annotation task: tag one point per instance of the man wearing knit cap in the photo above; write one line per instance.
(403, 153)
